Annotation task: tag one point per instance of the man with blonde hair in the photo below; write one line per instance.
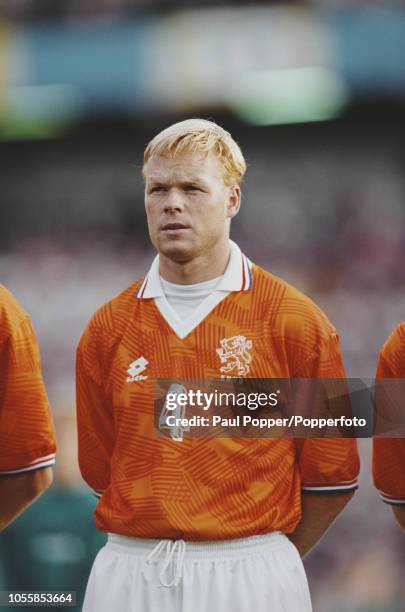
(209, 524)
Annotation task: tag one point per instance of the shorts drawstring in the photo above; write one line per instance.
(171, 548)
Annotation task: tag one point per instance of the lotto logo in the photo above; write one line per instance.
(135, 369)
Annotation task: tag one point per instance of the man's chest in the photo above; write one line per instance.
(218, 348)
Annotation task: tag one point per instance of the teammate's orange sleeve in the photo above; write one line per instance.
(27, 438)
(327, 465)
(389, 453)
(95, 421)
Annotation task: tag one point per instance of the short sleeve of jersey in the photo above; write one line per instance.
(327, 465)
(94, 414)
(27, 439)
(389, 453)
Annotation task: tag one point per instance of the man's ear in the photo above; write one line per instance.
(233, 202)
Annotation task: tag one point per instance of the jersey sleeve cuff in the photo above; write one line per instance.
(341, 487)
(36, 464)
(393, 500)
(97, 492)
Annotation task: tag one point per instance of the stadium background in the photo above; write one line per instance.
(314, 93)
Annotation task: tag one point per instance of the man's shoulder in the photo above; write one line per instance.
(12, 313)
(394, 347)
(286, 305)
(113, 316)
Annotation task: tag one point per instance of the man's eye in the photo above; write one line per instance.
(192, 188)
(155, 189)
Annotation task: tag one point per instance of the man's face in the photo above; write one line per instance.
(188, 205)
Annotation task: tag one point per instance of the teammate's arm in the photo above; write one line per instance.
(27, 441)
(389, 453)
(18, 491)
(318, 514)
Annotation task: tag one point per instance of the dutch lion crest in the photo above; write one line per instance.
(234, 353)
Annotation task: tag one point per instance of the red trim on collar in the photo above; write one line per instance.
(143, 290)
(243, 275)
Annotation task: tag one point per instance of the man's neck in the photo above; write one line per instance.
(202, 268)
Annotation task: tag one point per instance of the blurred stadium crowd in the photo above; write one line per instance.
(323, 207)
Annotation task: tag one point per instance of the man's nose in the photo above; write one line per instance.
(174, 201)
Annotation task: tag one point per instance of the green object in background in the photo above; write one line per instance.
(300, 95)
(52, 545)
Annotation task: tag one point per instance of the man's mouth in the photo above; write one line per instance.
(174, 226)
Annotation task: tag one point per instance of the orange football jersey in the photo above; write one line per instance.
(27, 440)
(389, 453)
(212, 488)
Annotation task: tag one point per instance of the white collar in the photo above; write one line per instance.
(237, 276)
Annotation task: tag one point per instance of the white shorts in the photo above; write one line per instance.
(261, 573)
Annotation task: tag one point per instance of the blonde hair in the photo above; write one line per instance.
(195, 135)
